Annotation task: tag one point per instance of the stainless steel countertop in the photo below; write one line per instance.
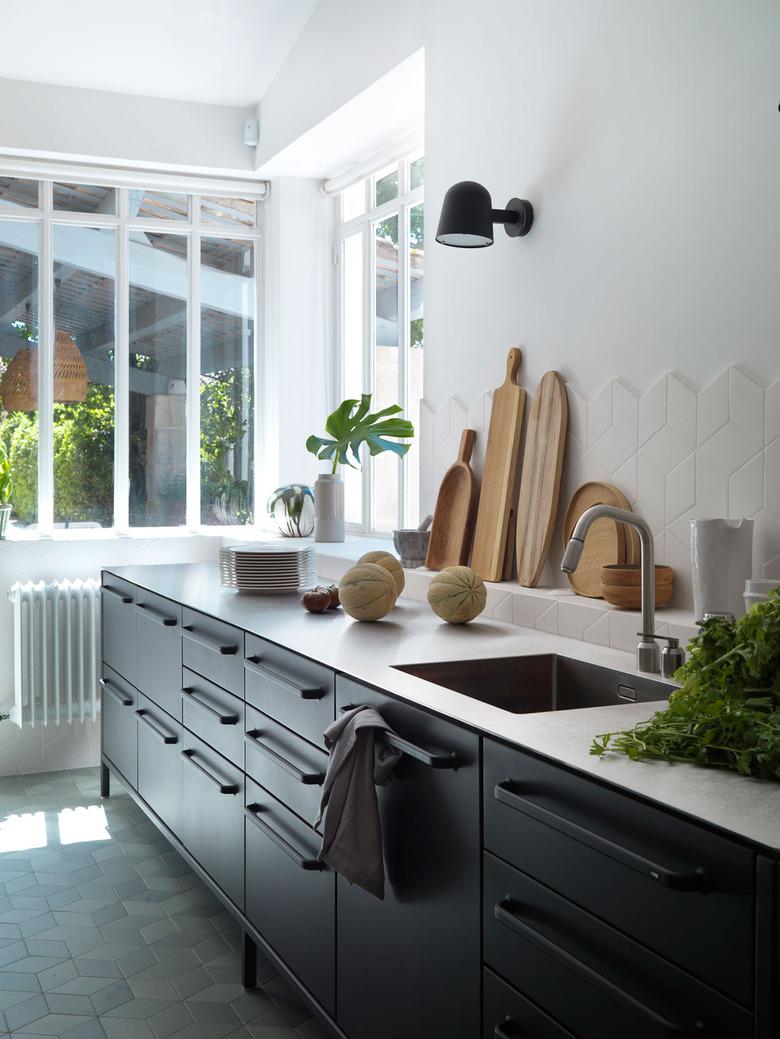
(743, 807)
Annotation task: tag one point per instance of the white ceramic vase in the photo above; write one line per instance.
(329, 508)
(721, 562)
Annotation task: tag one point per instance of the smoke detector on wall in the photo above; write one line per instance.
(251, 132)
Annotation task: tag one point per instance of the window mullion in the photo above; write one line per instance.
(46, 368)
(404, 311)
(193, 382)
(369, 366)
(122, 376)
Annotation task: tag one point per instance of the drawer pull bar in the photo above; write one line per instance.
(124, 599)
(432, 758)
(307, 778)
(156, 615)
(696, 880)
(506, 914)
(225, 648)
(224, 788)
(306, 693)
(117, 694)
(198, 699)
(159, 732)
(252, 812)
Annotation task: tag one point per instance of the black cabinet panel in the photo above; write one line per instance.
(293, 690)
(117, 599)
(593, 979)
(212, 825)
(290, 897)
(159, 762)
(158, 641)
(508, 1015)
(214, 715)
(118, 701)
(213, 649)
(627, 862)
(410, 965)
(291, 768)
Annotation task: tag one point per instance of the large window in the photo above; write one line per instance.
(127, 354)
(381, 264)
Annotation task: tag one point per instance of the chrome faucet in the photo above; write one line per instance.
(648, 657)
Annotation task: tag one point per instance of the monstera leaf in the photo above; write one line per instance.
(352, 424)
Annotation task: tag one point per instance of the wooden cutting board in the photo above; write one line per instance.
(606, 543)
(540, 483)
(455, 514)
(498, 475)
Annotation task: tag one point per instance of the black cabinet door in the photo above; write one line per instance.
(119, 741)
(410, 965)
(508, 1015)
(290, 897)
(117, 599)
(159, 762)
(158, 642)
(214, 650)
(213, 815)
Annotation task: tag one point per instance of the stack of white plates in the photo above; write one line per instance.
(268, 568)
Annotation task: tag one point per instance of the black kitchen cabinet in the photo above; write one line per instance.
(290, 896)
(410, 965)
(158, 641)
(159, 762)
(117, 600)
(118, 702)
(212, 824)
(508, 1015)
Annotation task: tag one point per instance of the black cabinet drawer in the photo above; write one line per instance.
(213, 649)
(593, 979)
(117, 600)
(159, 762)
(214, 715)
(288, 687)
(290, 897)
(158, 646)
(678, 888)
(291, 768)
(213, 815)
(508, 1015)
(119, 740)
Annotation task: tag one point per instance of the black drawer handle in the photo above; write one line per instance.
(432, 758)
(198, 699)
(506, 914)
(307, 778)
(696, 880)
(159, 732)
(304, 693)
(126, 600)
(502, 1031)
(156, 615)
(117, 694)
(225, 648)
(224, 788)
(252, 812)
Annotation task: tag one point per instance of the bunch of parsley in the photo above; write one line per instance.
(726, 713)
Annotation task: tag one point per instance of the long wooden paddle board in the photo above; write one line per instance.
(456, 511)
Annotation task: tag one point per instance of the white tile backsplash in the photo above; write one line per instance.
(676, 452)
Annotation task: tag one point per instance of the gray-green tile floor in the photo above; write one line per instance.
(106, 934)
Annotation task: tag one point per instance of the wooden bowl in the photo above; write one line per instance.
(621, 585)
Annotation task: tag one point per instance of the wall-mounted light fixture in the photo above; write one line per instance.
(467, 217)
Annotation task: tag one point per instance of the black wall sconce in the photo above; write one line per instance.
(467, 217)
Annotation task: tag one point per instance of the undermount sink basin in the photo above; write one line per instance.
(545, 682)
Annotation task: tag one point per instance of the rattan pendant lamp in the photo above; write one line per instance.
(19, 387)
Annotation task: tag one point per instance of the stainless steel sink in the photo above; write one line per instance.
(545, 682)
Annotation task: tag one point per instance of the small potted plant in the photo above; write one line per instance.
(6, 490)
(350, 426)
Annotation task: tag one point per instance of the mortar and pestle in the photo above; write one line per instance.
(412, 545)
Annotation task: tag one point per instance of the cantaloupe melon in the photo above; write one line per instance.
(457, 595)
(367, 592)
(390, 563)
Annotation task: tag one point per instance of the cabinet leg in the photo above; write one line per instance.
(248, 962)
(105, 781)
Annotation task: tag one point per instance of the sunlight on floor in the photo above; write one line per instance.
(83, 824)
(76, 825)
(23, 832)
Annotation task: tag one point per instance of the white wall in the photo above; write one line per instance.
(69, 746)
(99, 126)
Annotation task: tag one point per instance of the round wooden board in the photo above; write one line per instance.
(607, 541)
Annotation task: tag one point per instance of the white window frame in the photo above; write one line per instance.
(364, 224)
(194, 229)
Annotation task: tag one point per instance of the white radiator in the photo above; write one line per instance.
(56, 648)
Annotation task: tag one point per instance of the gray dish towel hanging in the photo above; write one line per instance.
(359, 761)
